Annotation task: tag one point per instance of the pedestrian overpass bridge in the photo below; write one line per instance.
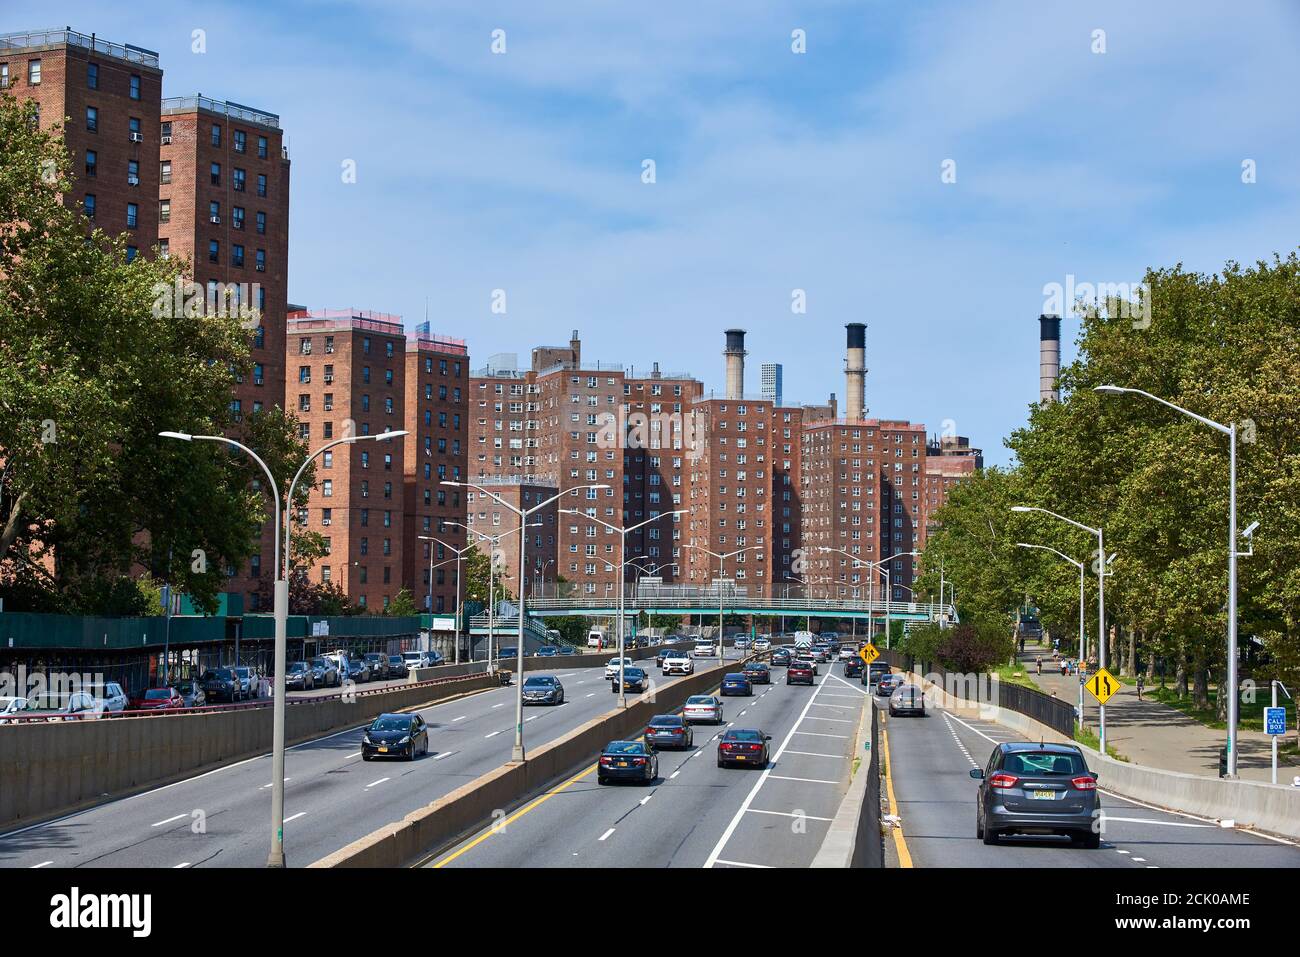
(707, 602)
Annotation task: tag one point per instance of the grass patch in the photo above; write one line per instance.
(1087, 737)
(1015, 675)
(1250, 714)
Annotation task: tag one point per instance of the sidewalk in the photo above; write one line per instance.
(1156, 735)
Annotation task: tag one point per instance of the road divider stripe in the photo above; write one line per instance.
(900, 843)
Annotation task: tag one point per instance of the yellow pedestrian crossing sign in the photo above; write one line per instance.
(869, 653)
(1102, 685)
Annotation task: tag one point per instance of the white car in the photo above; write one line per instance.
(679, 664)
(702, 707)
(762, 644)
(11, 706)
(58, 707)
(111, 696)
(847, 652)
(807, 658)
(611, 669)
(704, 649)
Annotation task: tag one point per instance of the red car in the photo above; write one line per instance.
(799, 670)
(158, 699)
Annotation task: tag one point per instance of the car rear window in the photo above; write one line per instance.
(699, 699)
(1043, 762)
(666, 721)
(155, 694)
(743, 736)
(625, 747)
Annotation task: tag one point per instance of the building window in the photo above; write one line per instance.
(92, 162)
(216, 174)
(214, 212)
(262, 147)
(216, 134)
(214, 251)
(237, 217)
(167, 133)
(4, 75)
(327, 488)
(131, 253)
(237, 255)
(240, 138)
(132, 215)
(89, 206)
(34, 72)
(237, 180)
(261, 223)
(165, 172)
(133, 172)
(135, 87)
(259, 374)
(92, 119)
(164, 248)
(261, 184)
(133, 124)
(261, 260)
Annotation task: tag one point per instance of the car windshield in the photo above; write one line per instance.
(1043, 762)
(700, 699)
(298, 666)
(322, 663)
(391, 722)
(743, 736)
(224, 674)
(625, 747)
(395, 659)
(539, 682)
(158, 694)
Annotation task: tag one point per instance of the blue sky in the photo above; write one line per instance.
(775, 171)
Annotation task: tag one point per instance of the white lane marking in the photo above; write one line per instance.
(813, 717)
(642, 802)
(742, 714)
(606, 834)
(714, 855)
(373, 783)
(295, 817)
(354, 754)
(1118, 851)
(675, 773)
(782, 777)
(960, 743)
(177, 867)
(501, 705)
(286, 781)
(169, 820)
(493, 734)
(41, 864)
(818, 734)
(816, 754)
(837, 707)
(444, 754)
(806, 817)
(1139, 860)
(571, 674)
(592, 695)
(461, 718)
(1143, 820)
(533, 718)
(718, 860)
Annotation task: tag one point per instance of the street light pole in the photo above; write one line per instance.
(1230, 431)
(1101, 603)
(721, 572)
(460, 553)
(1082, 637)
(493, 542)
(517, 752)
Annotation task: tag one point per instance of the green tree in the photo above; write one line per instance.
(402, 605)
(94, 363)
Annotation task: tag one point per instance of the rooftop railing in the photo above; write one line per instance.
(61, 37)
(186, 104)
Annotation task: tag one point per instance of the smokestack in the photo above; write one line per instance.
(735, 353)
(855, 371)
(1049, 358)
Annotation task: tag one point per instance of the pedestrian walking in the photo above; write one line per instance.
(1039, 661)
(1141, 683)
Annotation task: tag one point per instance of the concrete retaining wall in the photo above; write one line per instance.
(436, 826)
(853, 838)
(49, 769)
(1272, 808)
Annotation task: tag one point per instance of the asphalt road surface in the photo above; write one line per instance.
(930, 760)
(332, 797)
(697, 814)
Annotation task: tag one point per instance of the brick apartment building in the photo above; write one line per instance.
(348, 377)
(488, 517)
(107, 98)
(223, 207)
(437, 447)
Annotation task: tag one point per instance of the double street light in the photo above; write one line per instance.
(281, 609)
(721, 572)
(493, 541)
(1083, 656)
(460, 554)
(1102, 562)
(622, 584)
(517, 753)
(1230, 430)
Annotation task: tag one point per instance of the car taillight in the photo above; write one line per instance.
(605, 760)
(1001, 780)
(638, 760)
(725, 746)
(1084, 782)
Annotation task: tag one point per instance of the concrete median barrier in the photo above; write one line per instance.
(49, 769)
(438, 825)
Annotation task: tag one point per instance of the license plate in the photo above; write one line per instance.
(740, 757)
(622, 764)
(383, 750)
(1041, 795)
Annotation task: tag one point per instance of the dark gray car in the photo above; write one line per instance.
(1028, 788)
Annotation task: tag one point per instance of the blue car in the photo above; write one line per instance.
(737, 683)
(627, 761)
(634, 679)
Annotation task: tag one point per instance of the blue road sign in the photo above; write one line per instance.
(1275, 720)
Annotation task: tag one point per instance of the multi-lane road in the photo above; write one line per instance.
(332, 797)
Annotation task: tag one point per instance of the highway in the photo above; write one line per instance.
(697, 814)
(930, 759)
(332, 797)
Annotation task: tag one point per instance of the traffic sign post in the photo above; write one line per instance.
(868, 653)
(1275, 721)
(1102, 685)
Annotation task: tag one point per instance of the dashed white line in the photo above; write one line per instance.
(718, 860)
(493, 734)
(41, 864)
(461, 718)
(643, 801)
(373, 783)
(177, 867)
(816, 754)
(501, 705)
(443, 754)
(300, 814)
(176, 817)
(675, 773)
(606, 834)
(818, 734)
(806, 817)
(782, 777)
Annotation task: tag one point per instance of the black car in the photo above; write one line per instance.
(800, 671)
(397, 667)
(669, 730)
(358, 670)
(543, 689)
(1028, 788)
(873, 672)
(395, 735)
(546, 651)
(221, 684)
(853, 667)
(326, 672)
(743, 746)
(634, 679)
(627, 761)
(191, 691)
(781, 656)
(510, 651)
(299, 674)
(758, 673)
(378, 665)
